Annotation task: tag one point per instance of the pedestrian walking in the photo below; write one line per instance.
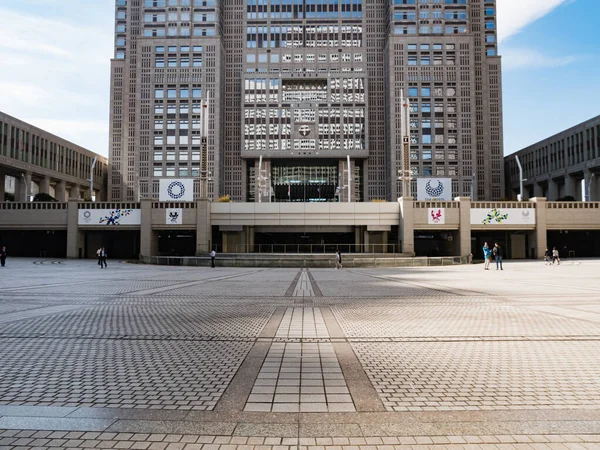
(103, 256)
(3, 255)
(498, 254)
(213, 255)
(547, 257)
(338, 260)
(487, 255)
(555, 256)
(99, 256)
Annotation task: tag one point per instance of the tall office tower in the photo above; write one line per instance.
(305, 97)
(442, 56)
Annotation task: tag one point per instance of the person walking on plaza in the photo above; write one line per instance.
(547, 257)
(3, 256)
(338, 260)
(213, 255)
(103, 257)
(487, 255)
(555, 256)
(99, 256)
(497, 252)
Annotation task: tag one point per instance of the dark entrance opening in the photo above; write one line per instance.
(436, 243)
(514, 243)
(575, 244)
(119, 244)
(35, 244)
(177, 243)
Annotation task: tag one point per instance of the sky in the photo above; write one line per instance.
(55, 66)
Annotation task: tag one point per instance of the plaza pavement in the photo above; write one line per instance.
(147, 357)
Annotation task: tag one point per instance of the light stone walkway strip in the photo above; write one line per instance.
(304, 286)
(302, 323)
(300, 377)
(37, 312)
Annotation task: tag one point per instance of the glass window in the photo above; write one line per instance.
(159, 93)
(426, 92)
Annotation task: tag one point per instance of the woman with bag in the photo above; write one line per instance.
(487, 255)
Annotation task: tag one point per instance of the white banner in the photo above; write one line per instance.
(181, 190)
(437, 216)
(110, 217)
(174, 216)
(504, 216)
(434, 189)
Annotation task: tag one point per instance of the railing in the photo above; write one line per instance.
(445, 205)
(33, 205)
(503, 205)
(109, 205)
(173, 205)
(314, 261)
(573, 205)
(317, 249)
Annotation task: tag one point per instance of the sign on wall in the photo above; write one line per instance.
(437, 216)
(174, 216)
(109, 217)
(434, 189)
(503, 216)
(181, 190)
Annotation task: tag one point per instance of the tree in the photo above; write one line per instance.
(41, 197)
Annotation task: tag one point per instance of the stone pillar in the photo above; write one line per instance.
(75, 238)
(75, 192)
(23, 187)
(45, 185)
(570, 186)
(464, 231)
(540, 238)
(385, 240)
(203, 228)
(225, 243)
(538, 190)
(366, 246)
(358, 239)
(407, 229)
(249, 239)
(148, 239)
(60, 191)
(552, 194)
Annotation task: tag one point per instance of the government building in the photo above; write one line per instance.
(305, 100)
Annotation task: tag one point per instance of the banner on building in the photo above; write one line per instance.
(437, 216)
(109, 217)
(434, 189)
(174, 216)
(181, 190)
(503, 216)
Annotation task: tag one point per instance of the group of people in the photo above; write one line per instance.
(102, 255)
(494, 253)
(551, 257)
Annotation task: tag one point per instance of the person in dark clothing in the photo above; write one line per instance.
(547, 257)
(103, 257)
(498, 254)
(338, 260)
(213, 255)
(3, 256)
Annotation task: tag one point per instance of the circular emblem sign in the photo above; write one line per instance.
(434, 192)
(176, 190)
(304, 130)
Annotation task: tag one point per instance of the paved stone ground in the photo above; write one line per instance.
(281, 359)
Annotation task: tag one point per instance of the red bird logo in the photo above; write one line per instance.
(436, 216)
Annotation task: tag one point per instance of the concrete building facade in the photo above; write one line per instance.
(566, 165)
(35, 161)
(300, 100)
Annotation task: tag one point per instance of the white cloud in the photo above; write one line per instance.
(522, 58)
(56, 64)
(515, 15)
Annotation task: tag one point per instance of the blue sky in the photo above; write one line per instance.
(56, 66)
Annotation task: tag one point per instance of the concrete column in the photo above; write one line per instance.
(464, 231)
(75, 238)
(366, 248)
(249, 239)
(407, 229)
(60, 191)
(385, 240)
(203, 228)
(358, 239)
(148, 239)
(538, 190)
(45, 185)
(570, 186)
(225, 243)
(75, 192)
(540, 236)
(23, 187)
(552, 194)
